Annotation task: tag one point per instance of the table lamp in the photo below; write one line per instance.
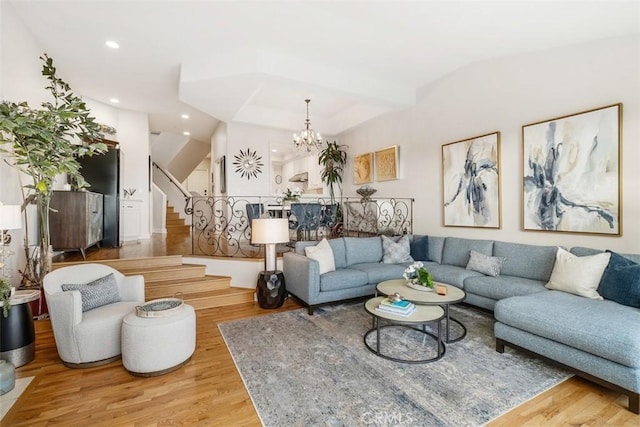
(10, 219)
(270, 290)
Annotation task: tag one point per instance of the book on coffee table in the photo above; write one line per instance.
(406, 311)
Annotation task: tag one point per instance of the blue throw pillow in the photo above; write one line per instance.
(419, 248)
(621, 281)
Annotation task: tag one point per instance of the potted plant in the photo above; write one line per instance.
(332, 159)
(6, 290)
(44, 143)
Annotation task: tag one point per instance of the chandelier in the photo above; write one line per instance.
(308, 138)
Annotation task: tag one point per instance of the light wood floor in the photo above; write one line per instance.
(208, 390)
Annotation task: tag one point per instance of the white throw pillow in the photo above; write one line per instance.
(396, 252)
(322, 253)
(578, 275)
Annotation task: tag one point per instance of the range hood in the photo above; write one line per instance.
(300, 177)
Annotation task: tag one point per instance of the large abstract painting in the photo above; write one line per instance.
(471, 182)
(572, 173)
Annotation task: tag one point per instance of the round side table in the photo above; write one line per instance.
(17, 332)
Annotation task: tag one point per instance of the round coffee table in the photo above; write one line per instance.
(420, 317)
(454, 295)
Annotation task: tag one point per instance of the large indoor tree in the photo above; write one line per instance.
(42, 144)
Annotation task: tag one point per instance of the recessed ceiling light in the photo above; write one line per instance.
(185, 116)
(274, 150)
(114, 100)
(112, 44)
(187, 133)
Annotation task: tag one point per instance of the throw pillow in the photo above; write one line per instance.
(322, 253)
(621, 281)
(95, 294)
(394, 253)
(578, 275)
(485, 264)
(419, 248)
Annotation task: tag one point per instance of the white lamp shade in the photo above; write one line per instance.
(10, 217)
(269, 230)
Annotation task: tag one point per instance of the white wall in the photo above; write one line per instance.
(133, 135)
(20, 80)
(503, 95)
(218, 149)
(256, 138)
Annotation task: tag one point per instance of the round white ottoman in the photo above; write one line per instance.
(156, 345)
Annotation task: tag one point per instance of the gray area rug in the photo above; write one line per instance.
(303, 370)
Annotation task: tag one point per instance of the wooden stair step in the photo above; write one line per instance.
(183, 271)
(178, 228)
(219, 298)
(178, 221)
(172, 215)
(168, 288)
(129, 263)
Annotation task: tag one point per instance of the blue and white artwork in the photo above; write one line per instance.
(572, 173)
(471, 182)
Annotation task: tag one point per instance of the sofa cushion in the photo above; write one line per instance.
(419, 248)
(322, 253)
(394, 252)
(363, 249)
(436, 245)
(489, 265)
(582, 251)
(600, 327)
(502, 286)
(578, 275)
(377, 272)
(339, 252)
(456, 250)
(621, 281)
(343, 278)
(528, 261)
(451, 274)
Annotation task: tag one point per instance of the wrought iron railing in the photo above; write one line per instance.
(221, 226)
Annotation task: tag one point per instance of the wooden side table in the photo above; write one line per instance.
(17, 331)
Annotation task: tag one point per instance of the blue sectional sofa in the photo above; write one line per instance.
(597, 339)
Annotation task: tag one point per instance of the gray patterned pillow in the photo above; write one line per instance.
(95, 294)
(394, 253)
(489, 265)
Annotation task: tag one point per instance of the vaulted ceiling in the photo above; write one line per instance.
(256, 61)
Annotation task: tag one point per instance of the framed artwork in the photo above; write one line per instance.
(387, 163)
(571, 179)
(223, 174)
(471, 182)
(363, 169)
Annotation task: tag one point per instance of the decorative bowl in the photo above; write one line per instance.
(366, 192)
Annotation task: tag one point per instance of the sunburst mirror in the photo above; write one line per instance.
(248, 164)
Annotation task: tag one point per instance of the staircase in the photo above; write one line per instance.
(167, 275)
(175, 224)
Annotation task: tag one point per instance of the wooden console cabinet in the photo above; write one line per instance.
(76, 220)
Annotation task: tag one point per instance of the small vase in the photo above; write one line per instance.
(7, 377)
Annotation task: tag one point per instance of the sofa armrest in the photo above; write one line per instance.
(302, 276)
(131, 288)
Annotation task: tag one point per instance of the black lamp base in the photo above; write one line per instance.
(271, 289)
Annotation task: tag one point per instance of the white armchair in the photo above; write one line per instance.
(90, 338)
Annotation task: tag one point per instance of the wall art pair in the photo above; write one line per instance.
(386, 166)
(571, 176)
